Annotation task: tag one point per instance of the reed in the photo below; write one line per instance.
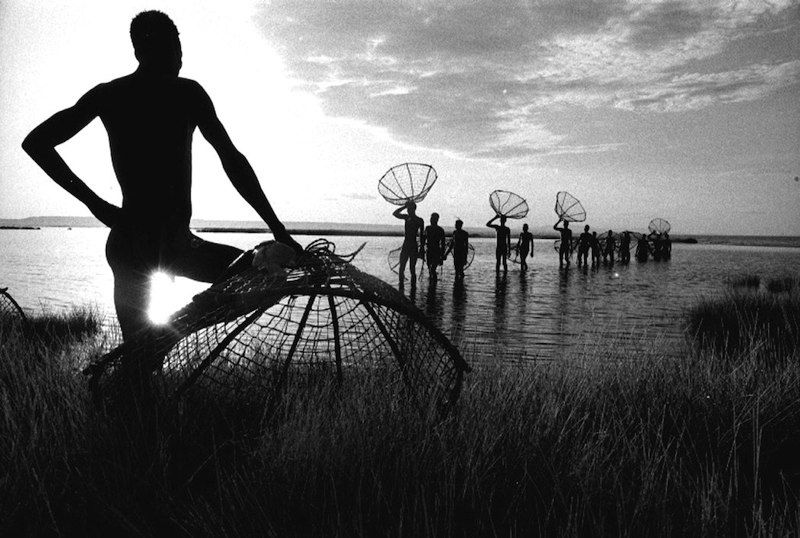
(602, 444)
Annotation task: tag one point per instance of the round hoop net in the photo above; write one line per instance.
(557, 246)
(407, 182)
(11, 315)
(569, 208)
(509, 205)
(659, 226)
(240, 339)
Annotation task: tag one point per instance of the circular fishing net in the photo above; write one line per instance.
(407, 182)
(509, 205)
(241, 338)
(11, 315)
(569, 208)
(659, 226)
(557, 246)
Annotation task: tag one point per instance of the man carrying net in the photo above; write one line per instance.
(150, 116)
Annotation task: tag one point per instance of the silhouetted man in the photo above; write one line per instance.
(565, 250)
(434, 245)
(414, 226)
(459, 244)
(525, 245)
(150, 116)
(503, 246)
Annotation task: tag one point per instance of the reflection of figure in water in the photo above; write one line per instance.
(594, 244)
(608, 248)
(625, 247)
(150, 116)
(433, 243)
(414, 225)
(565, 250)
(503, 241)
(525, 245)
(667, 246)
(459, 244)
(584, 243)
(642, 249)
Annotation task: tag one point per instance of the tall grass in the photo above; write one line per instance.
(744, 319)
(618, 445)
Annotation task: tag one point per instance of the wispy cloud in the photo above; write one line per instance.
(475, 77)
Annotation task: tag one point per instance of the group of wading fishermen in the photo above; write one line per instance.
(655, 244)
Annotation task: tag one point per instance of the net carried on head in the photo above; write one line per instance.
(509, 205)
(241, 338)
(659, 226)
(407, 182)
(569, 208)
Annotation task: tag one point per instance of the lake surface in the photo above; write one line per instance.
(539, 315)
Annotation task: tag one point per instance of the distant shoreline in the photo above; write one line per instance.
(384, 230)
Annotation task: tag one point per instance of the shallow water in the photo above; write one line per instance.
(542, 314)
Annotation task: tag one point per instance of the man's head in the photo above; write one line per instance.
(566, 224)
(411, 207)
(586, 228)
(525, 227)
(459, 224)
(156, 43)
(502, 219)
(434, 218)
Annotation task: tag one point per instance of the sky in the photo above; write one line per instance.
(688, 111)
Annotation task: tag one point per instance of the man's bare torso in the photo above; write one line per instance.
(150, 122)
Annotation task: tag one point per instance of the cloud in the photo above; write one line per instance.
(475, 77)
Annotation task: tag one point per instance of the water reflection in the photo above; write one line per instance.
(535, 315)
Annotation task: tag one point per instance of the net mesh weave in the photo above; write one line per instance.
(659, 226)
(240, 338)
(407, 182)
(11, 315)
(509, 205)
(569, 208)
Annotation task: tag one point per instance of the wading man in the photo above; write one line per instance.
(150, 116)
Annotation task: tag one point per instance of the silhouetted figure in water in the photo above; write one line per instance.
(584, 244)
(459, 245)
(642, 249)
(503, 246)
(150, 117)
(658, 246)
(434, 245)
(414, 226)
(525, 245)
(609, 247)
(667, 246)
(565, 250)
(625, 247)
(594, 244)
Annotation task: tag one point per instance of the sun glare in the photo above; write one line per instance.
(164, 298)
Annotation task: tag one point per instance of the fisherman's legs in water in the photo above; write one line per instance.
(563, 256)
(523, 256)
(501, 256)
(408, 254)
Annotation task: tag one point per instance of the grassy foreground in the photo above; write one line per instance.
(615, 445)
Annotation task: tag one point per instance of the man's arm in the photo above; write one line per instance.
(491, 220)
(555, 226)
(40, 145)
(398, 213)
(238, 169)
